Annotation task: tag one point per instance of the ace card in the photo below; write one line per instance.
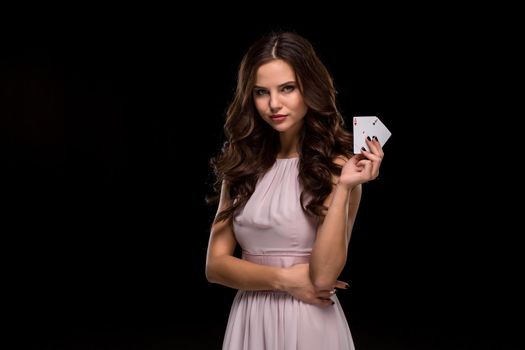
(368, 126)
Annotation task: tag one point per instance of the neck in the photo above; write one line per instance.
(289, 143)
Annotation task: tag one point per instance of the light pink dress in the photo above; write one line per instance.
(273, 230)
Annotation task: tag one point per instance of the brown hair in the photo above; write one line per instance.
(251, 145)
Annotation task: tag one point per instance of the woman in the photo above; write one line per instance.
(290, 189)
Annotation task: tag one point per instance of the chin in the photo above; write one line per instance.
(282, 128)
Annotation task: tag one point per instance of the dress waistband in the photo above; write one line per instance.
(277, 260)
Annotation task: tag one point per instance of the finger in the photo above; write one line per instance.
(341, 285)
(378, 149)
(363, 163)
(370, 165)
(375, 169)
(359, 156)
(371, 144)
(370, 155)
(323, 302)
(326, 294)
(315, 301)
(366, 169)
(376, 140)
(374, 146)
(375, 163)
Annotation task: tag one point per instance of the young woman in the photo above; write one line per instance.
(289, 190)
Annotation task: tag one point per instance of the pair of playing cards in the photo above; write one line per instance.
(368, 126)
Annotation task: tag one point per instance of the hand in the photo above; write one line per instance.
(299, 285)
(363, 167)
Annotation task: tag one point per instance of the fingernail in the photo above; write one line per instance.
(375, 138)
(368, 138)
(363, 149)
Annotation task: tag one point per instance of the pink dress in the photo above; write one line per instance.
(273, 230)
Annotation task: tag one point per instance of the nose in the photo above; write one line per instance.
(275, 103)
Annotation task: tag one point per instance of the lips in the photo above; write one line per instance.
(278, 116)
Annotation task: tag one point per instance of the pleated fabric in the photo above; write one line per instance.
(273, 230)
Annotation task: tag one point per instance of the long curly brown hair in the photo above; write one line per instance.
(252, 145)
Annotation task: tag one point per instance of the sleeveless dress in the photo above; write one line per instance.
(272, 229)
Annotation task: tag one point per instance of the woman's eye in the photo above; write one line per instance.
(288, 88)
(260, 92)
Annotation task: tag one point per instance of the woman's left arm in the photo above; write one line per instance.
(330, 249)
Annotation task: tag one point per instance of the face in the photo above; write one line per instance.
(278, 98)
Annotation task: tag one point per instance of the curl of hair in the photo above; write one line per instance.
(251, 145)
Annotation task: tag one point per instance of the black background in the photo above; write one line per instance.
(108, 123)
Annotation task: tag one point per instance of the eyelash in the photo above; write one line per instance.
(287, 88)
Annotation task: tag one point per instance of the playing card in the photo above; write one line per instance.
(368, 126)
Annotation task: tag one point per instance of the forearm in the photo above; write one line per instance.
(241, 274)
(330, 249)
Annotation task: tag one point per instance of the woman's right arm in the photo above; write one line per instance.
(223, 268)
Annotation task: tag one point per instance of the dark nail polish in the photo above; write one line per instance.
(363, 149)
(375, 138)
(368, 138)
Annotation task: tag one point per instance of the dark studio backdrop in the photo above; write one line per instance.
(107, 128)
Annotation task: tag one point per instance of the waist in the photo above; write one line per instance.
(278, 260)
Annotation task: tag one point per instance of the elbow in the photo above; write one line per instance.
(210, 274)
(214, 270)
(326, 279)
(323, 281)
(324, 284)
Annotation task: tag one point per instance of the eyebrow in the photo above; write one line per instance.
(283, 84)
